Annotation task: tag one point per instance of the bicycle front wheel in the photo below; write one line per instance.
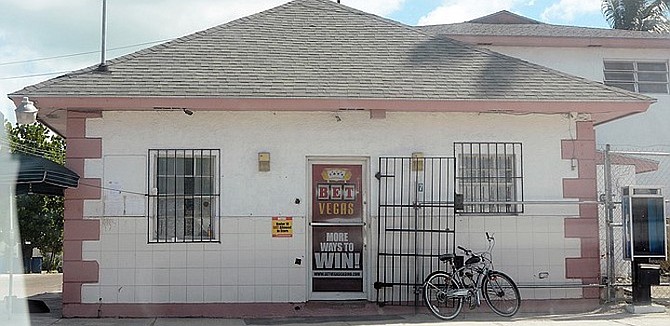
(438, 293)
(501, 294)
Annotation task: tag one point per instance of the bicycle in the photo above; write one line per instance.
(445, 292)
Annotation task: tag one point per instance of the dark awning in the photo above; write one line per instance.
(39, 175)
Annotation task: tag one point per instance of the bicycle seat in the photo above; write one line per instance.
(447, 257)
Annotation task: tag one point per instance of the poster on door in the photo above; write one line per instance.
(337, 245)
(337, 262)
(336, 193)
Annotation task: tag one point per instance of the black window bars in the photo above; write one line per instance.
(183, 195)
(489, 174)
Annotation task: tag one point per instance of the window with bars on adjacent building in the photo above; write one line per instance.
(183, 195)
(638, 76)
(489, 174)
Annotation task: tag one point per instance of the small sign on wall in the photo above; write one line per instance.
(282, 227)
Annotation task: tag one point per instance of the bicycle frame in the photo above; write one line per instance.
(478, 270)
(446, 291)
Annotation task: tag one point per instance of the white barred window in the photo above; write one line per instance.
(489, 174)
(183, 195)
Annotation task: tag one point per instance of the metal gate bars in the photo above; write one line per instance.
(416, 224)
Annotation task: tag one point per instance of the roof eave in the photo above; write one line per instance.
(600, 111)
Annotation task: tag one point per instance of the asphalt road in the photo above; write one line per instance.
(26, 285)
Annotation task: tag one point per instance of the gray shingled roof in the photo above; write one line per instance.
(536, 29)
(319, 49)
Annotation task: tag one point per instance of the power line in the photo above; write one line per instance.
(47, 156)
(38, 152)
(81, 53)
(35, 75)
(112, 189)
(41, 153)
(65, 56)
(47, 58)
(83, 183)
(25, 148)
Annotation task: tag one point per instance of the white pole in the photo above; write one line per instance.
(11, 254)
(102, 65)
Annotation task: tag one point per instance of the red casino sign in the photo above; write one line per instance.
(336, 193)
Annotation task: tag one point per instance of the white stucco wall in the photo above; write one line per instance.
(648, 130)
(248, 265)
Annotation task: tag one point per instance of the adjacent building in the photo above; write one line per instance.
(632, 60)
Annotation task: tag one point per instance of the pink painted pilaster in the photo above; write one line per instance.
(76, 165)
(71, 296)
(84, 148)
(74, 209)
(81, 230)
(77, 271)
(577, 149)
(580, 227)
(72, 250)
(582, 151)
(579, 188)
(81, 272)
(89, 188)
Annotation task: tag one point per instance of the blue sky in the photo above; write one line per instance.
(36, 31)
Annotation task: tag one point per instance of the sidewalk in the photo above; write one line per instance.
(47, 289)
(609, 315)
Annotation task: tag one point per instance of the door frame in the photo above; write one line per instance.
(364, 161)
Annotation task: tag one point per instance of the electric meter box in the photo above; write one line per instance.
(644, 233)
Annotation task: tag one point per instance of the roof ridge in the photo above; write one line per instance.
(502, 14)
(356, 11)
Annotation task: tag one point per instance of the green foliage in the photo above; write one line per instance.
(40, 216)
(36, 139)
(638, 15)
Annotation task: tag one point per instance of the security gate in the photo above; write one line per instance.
(416, 224)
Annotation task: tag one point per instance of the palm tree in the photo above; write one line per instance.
(638, 15)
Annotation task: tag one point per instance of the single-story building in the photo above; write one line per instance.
(313, 152)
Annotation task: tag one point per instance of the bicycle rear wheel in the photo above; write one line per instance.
(501, 294)
(438, 293)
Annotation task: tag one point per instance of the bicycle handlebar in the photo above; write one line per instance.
(489, 237)
(467, 251)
